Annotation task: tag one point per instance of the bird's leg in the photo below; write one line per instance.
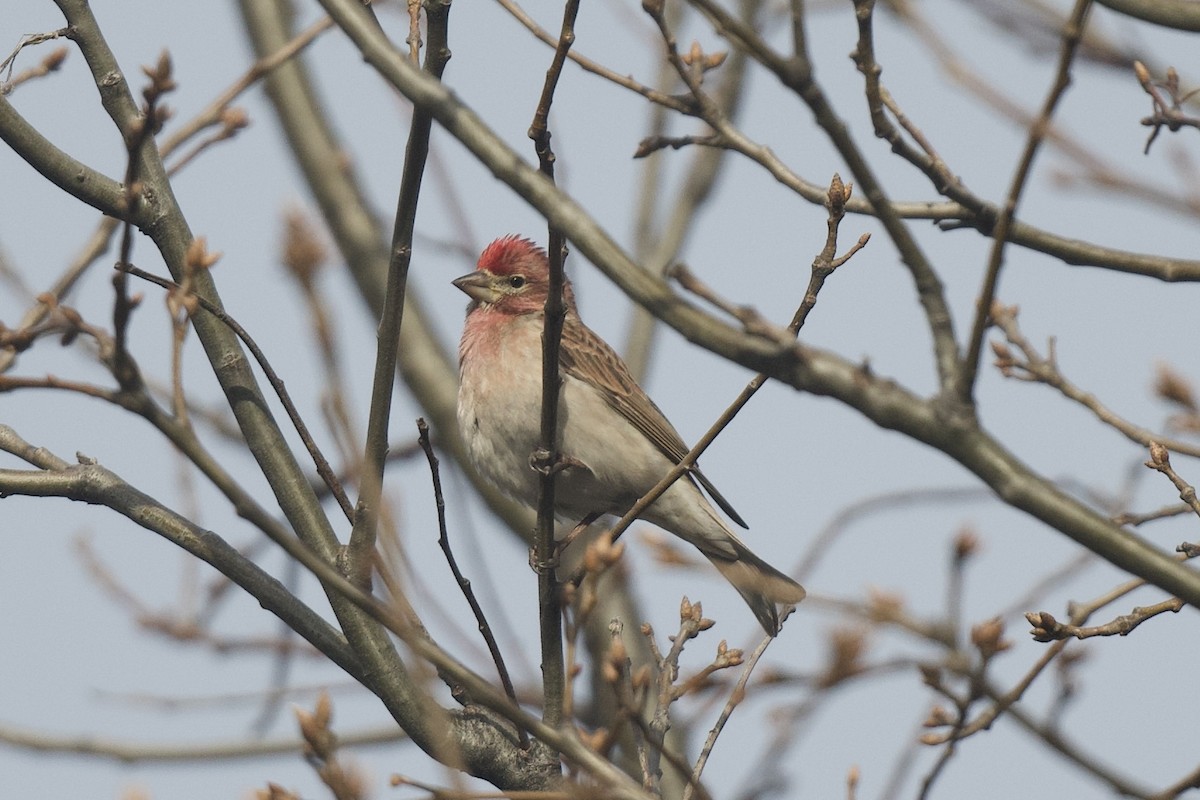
(537, 565)
(541, 462)
(585, 523)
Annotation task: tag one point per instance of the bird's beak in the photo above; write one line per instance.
(479, 287)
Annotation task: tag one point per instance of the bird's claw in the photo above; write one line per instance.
(540, 566)
(542, 463)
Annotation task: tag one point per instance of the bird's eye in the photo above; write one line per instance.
(516, 281)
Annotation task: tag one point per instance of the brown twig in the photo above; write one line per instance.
(692, 623)
(321, 751)
(139, 136)
(823, 266)
(882, 503)
(1160, 460)
(1190, 780)
(305, 255)
(652, 144)
(1168, 112)
(736, 696)
(128, 752)
(181, 626)
(665, 214)
(233, 121)
(182, 302)
(1032, 366)
(51, 63)
(1071, 36)
(215, 112)
(880, 101)
(547, 456)
(655, 96)
(665, 690)
(1047, 629)
(1166, 512)
(987, 640)
(10, 383)
(797, 75)
(360, 551)
(464, 584)
(690, 70)
(95, 247)
(629, 692)
(752, 322)
(323, 468)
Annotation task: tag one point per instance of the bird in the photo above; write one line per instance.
(615, 443)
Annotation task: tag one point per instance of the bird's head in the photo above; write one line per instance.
(512, 276)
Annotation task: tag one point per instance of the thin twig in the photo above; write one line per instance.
(1166, 114)
(1190, 780)
(797, 75)
(1071, 36)
(823, 266)
(1045, 623)
(326, 472)
(736, 696)
(128, 752)
(139, 136)
(660, 98)
(1160, 460)
(547, 457)
(361, 548)
(463, 582)
(879, 100)
(1046, 628)
(661, 229)
(1045, 369)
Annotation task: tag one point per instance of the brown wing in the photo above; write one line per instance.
(586, 356)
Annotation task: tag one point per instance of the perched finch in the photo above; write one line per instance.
(615, 442)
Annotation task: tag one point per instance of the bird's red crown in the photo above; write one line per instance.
(509, 253)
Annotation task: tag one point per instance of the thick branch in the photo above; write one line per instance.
(160, 217)
(74, 177)
(1181, 15)
(92, 483)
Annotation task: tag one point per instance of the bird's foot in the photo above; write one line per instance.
(540, 461)
(540, 565)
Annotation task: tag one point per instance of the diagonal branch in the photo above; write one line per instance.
(89, 482)
(1071, 36)
(797, 74)
(161, 218)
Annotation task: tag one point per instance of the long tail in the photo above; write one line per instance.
(763, 587)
